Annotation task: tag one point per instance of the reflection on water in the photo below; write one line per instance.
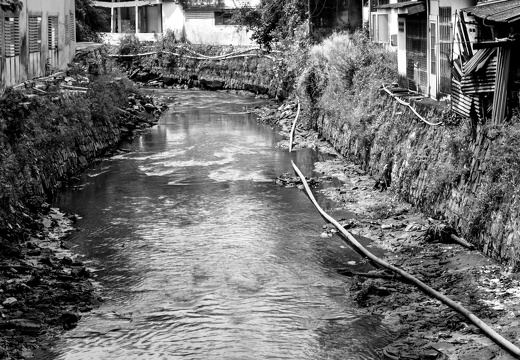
(203, 257)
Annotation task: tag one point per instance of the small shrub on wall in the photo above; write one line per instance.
(33, 134)
(499, 191)
(343, 75)
(129, 44)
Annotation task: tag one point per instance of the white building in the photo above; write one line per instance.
(39, 36)
(422, 32)
(197, 21)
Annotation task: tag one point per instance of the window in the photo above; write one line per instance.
(52, 32)
(35, 34)
(382, 28)
(223, 18)
(379, 30)
(12, 36)
(400, 26)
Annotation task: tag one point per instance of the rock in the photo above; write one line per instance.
(34, 252)
(47, 261)
(47, 223)
(217, 85)
(26, 326)
(72, 217)
(35, 280)
(483, 354)
(149, 107)
(69, 320)
(430, 354)
(167, 80)
(143, 76)
(10, 301)
(81, 272)
(66, 260)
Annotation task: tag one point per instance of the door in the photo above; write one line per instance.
(416, 53)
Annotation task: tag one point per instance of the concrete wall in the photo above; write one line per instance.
(200, 29)
(204, 31)
(16, 70)
(173, 19)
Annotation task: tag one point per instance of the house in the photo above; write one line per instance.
(35, 39)
(209, 21)
(422, 34)
(335, 14)
(486, 71)
(196, 21)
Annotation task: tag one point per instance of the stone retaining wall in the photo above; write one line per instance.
(89, 143)
(258, 74)
(422, 161)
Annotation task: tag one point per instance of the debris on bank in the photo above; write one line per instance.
(44, 287)
(429, 250)
(282, 117)
(288, 180)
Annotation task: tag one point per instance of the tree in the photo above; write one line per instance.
(10, 5)
(272, 20)
(90, 21)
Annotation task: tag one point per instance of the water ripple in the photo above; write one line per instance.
(202, 257)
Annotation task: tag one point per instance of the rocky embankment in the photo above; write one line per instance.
(424, 327)
(44, 288)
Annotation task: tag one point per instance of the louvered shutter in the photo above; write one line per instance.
(67, 31)
(71, 27)
(52, 32)
(12, 36)
(35, 34)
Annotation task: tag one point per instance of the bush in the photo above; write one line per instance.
(129, 44)
(34, 131)
(342, 78)
(499, 190)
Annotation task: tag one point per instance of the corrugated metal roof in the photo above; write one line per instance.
(499, 11)
(400, 5)
(405, 8)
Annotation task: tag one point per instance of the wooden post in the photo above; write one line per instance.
(136, 17)
(119, 21)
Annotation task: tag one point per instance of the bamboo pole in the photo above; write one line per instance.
(291, 136)
(498, 339)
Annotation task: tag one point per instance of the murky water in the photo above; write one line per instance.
(203, 257)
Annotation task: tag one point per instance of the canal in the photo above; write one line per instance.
(199, 255)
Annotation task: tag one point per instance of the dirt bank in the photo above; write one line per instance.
(425, 328)
(44, 288)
